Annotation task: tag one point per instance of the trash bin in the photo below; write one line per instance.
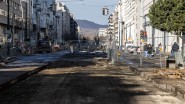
(170, 63)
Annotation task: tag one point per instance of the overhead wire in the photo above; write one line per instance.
(92, 5)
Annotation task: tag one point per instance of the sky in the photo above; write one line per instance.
(91, 9)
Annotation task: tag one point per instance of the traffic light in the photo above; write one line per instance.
(105, 11)
(141, 34)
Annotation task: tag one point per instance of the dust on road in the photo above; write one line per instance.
(78, 80)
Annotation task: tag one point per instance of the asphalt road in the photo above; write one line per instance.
(84, 80)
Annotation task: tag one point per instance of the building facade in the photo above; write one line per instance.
(155, 36)
(30, 21)
(53, 19)
(132, 18)
(17, 20)
(63, 28)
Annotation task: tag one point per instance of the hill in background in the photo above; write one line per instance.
(89, 24)
(89, 28)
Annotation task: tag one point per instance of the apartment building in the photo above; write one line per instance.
(155, 36)
(41, 16)
(130, 21)
(130, 17)
(17, 20)
(115, 19)
(52, 18)
(63, 24)
(110, 29)
(102, 32)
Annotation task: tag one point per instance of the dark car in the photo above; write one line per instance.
(44, 47)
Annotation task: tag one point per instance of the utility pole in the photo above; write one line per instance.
(38, 8)
(37, 29)
(26, 24)
(120, 24)
(56, 30)
(13, 31)
(141, 42)
(8, 29)
(125, 46)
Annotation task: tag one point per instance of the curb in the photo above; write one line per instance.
(177, 92)
(25, 75)
(21, 77)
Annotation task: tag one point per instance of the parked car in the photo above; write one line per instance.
(130, 49)
(44, 47)
(138, 50)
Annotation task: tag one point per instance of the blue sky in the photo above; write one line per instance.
(91, 9)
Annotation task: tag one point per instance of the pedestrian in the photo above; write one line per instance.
(145, 50)
(160, 47)
(175, 48)
(150, 50)
(153, 51)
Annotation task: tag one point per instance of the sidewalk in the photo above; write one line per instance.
(169, 80)
(25, 66)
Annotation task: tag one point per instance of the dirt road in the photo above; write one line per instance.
(77, 80)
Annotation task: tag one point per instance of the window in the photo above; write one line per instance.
(15, 5)
(60, 5)
(19, 7)
(12, 3)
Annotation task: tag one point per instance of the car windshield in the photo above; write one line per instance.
(129, 46)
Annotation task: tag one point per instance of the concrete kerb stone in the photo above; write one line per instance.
(177, 92)
(25, 75)
(21, 77)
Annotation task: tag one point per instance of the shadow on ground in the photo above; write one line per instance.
(85, 85)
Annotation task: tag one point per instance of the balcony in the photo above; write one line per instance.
(111, 23)
(51, 23)
(17, 23)
(3, 19)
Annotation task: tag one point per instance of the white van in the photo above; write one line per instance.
(129, 44)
